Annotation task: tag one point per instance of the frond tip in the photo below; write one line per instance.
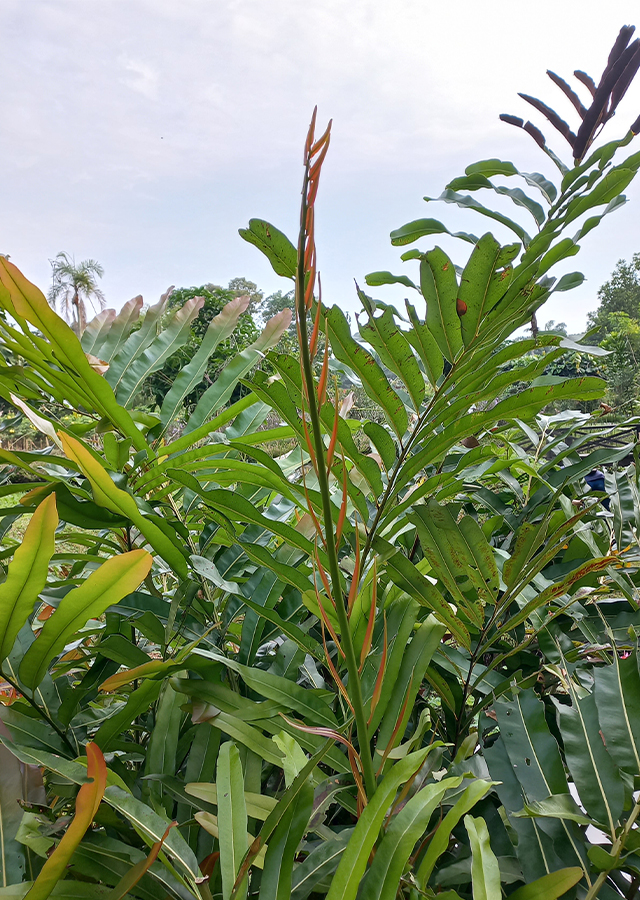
(622, 66)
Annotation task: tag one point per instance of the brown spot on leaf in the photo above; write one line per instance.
(461, 307)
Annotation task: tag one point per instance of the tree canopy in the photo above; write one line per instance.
(74, 286)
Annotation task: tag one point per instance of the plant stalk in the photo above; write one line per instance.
(616, 849)
(354, 686)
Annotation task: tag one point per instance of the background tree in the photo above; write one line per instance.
(73, 286)
(215, 299)
(617, 320)
(621, 293)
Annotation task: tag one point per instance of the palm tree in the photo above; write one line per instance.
(73, 286)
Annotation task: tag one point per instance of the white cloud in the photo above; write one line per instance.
(141, 77)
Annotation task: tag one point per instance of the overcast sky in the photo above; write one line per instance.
(144, 133)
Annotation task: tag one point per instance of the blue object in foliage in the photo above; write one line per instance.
(595, 480)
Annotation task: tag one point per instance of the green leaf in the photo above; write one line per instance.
(617, 695)
(87, 802)
(281, 810)
(220, 328)
(110, 861)
(550, 886)
(118, 501)
(13, 866)
(152, 827)
(601, 859)
(27, 573)
(275, 883)
(568, 282)
(382, 441)
(382, 881)
(533, 752)
(30, 732)
(232, 818)
(539, 850)
(471, 795)
(138, 342)
(115, 578)
(467, 202)
(528, 540)
(65, 890)
(440, 290)
(394, 350)
(258, 806)
(229, 724)
(320, 863)
(274, 687)
(208, 570)
(562, 250)
(406, 684)
(485, 871)
(239, 509)
(476, 182)
(558, 806)
(407, 577)
(524, 405)
(345, 883)
(25, 300)
(460, 556)
(108, 340)
(593, 221)
(376, 279)
(413, 231)
(163, 745)
(173, 336)
(274, 244)
(594, 773)
(426, 346)
(122, 651)
(220, 392)
(481, 284)
(491, 167)
(138, 702)
(96, 330)
(613, 183)
(374, 381)
(521, 199)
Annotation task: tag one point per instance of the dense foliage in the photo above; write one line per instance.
(616, 324)
(397, 660)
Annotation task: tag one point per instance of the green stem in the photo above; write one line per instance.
(354, 685)
(616, 849)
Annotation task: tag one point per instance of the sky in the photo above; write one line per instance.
(144, 133)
